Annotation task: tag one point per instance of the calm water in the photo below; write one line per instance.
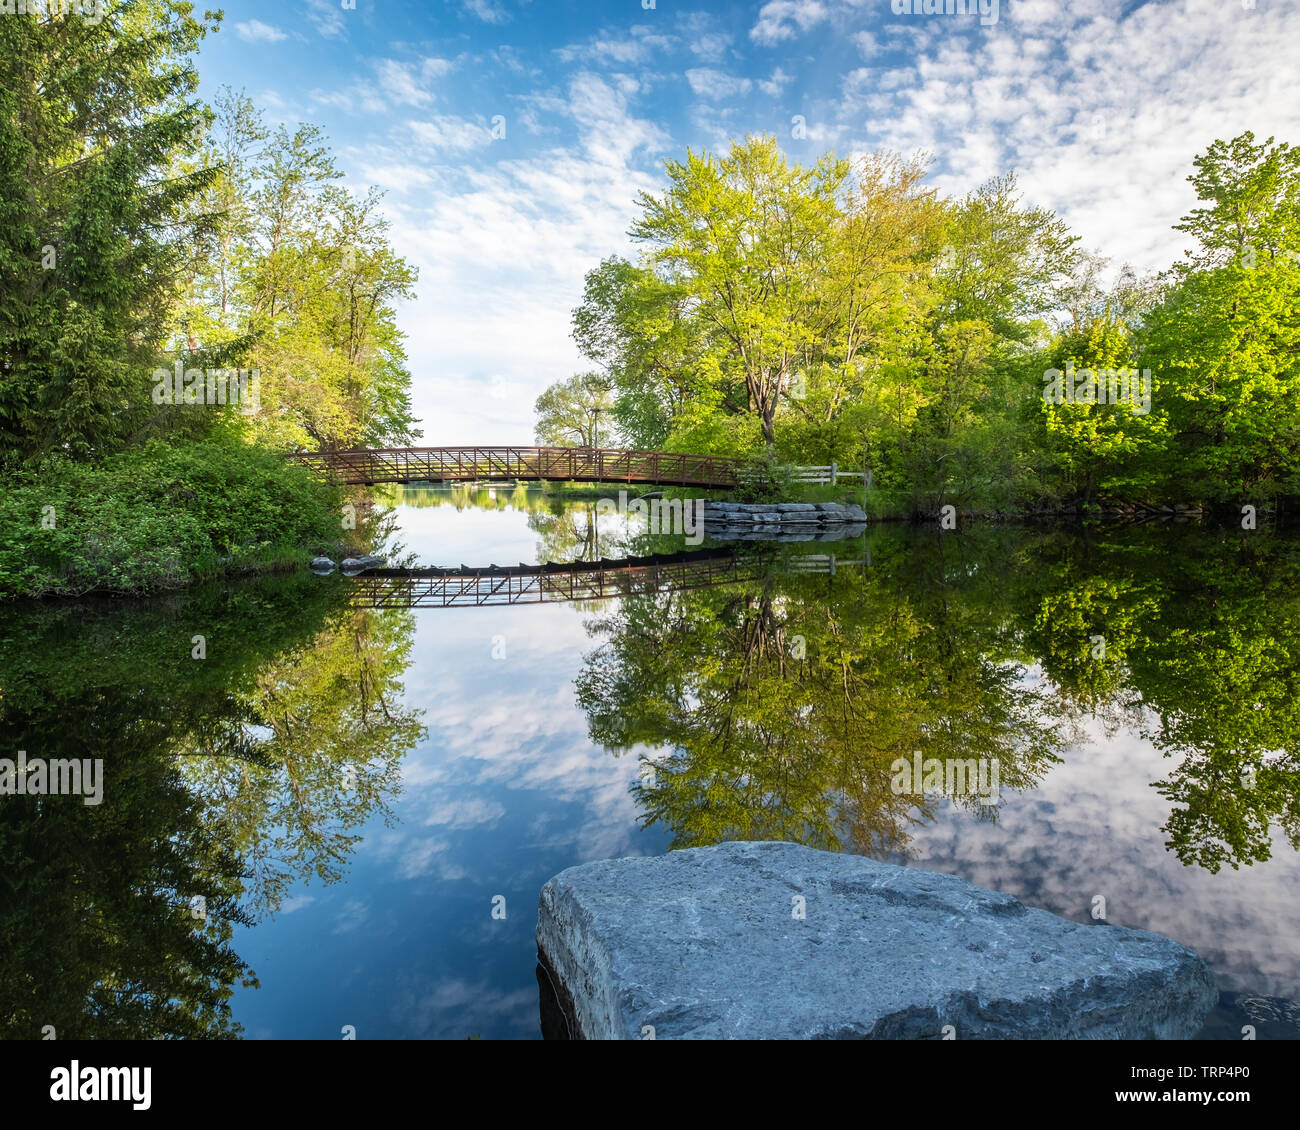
(334, 799)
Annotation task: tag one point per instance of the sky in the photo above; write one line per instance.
(511, 137)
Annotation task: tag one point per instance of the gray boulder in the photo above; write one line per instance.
(855, 514)
(322, 565)
(351, 566)
(778, 941)
(796, 507)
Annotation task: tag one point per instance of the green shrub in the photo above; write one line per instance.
(159, 517)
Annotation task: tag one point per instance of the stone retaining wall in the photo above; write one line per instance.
(781, 516)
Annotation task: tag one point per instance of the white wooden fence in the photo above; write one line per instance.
(829, 473)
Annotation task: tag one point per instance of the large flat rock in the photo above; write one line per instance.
(705, 944)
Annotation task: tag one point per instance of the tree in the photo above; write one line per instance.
(1224, 346)
(301, 285)
(741, 244)
(569, 412)
(1002, 266)
(96, 229)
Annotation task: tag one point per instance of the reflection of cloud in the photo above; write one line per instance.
(1093, 828)
(511, 725)
(466, 813)
(296, 903)
(452, 1008)
(353, 914)
(417, 858)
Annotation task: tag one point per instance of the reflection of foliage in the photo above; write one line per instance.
(567, 529)
(1198, 629)
(786, 702)
(97, 930)
(931, 650)
(586, 531)
(331, 760)
(463, 496)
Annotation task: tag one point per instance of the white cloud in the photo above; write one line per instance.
(779, 20)
(396, 83)
(715, 84)
(502, 249)
(395, 175)
(327, 17)
(866, 43)
(635, 47)
(705, 40)
(1100, 111)
(401, 84)
(489, 11)
(777, 83)
(254, 31)
(711, 47)
(446, 133)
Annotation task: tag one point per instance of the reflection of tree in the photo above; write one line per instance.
(98, 935)
(331, 757)
(461, 496)
(1183, 635)
(784, 704)
(574, 532)
(99, 929)
(578, 531)
(1199, 630)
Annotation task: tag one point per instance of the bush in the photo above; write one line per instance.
(158, 517)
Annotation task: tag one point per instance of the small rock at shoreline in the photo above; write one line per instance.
(351, 566)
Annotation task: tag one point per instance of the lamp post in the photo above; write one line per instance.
(595, 427)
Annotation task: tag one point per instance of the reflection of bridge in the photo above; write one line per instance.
(547, 584)
(577, 580)
(527, 464)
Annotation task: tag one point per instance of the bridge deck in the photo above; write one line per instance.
(527, 464)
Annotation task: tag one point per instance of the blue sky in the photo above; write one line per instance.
(511, 136)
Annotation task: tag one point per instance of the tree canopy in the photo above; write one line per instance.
(846, 311)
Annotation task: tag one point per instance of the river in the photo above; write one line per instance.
(327, 821)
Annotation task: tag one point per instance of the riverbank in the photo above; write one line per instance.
(162, 517)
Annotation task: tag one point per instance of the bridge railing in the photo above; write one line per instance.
(470, 464)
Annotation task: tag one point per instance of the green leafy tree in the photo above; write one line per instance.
(96, 226)
(570, 413)
(741, 244)
(1224, 348)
